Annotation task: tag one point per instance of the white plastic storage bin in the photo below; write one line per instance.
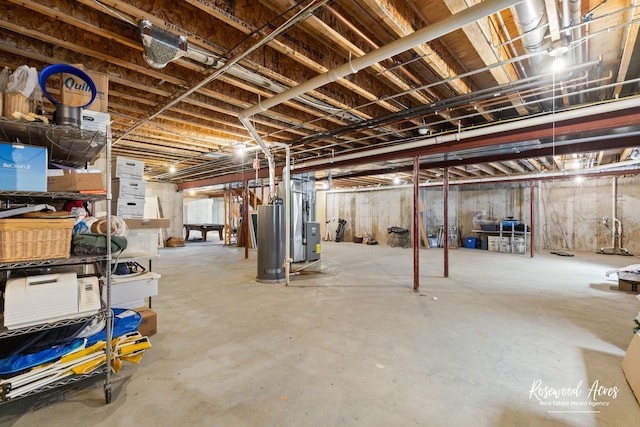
(141, 243)
(130, 291)
(519, 245)
(493, 243)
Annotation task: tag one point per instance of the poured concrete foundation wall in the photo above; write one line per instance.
(204, 211)
(569, 216)
(371, 211)
(170, 204)
(578, 216)
(504, 202)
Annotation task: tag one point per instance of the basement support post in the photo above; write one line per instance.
(532, 219)
(445, 196)
(416, 231)
(245, 217)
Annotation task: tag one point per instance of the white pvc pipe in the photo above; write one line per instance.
(577, 113)
(424, 35)
(286, 177)
(267, 152)
(631, 166)
(617, 167)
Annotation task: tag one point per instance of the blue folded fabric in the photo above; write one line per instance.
(124, 322)
(21, 362)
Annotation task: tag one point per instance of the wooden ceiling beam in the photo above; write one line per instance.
(536, 165)
(515, 165)
(486, 169)
(243, 15)
(133, 85)
(333, 38)
(505, 170)
(629, 42)
(123, 7)
(482, 37)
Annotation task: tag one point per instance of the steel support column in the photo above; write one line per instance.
(445, 191)
(533, 219)
(245, 216)
(416, 230)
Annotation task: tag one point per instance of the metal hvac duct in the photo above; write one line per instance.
(531, 19)
(162, 46)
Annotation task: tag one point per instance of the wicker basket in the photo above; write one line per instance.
(15, 102)
(34, 239)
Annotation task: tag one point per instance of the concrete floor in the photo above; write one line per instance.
(352, 344)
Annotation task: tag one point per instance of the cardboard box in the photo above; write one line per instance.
(175, 242)
(75, 180)
(125, 187)
(128, 168)
(128, 207)
(631, 365)
(628, 285)
(23, 167)
(149, 323)
(145, 223)
(75, 91)
(130, 292)
(95, 121)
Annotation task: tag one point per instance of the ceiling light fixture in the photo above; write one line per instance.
(172, 169)
(559, 48)
(558, 64)
(215, 154)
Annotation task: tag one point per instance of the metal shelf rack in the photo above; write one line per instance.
(5, 333)
(77, 148)
(5, 391)
(66, 145)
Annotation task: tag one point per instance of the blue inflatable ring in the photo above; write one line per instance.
(65, 68)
